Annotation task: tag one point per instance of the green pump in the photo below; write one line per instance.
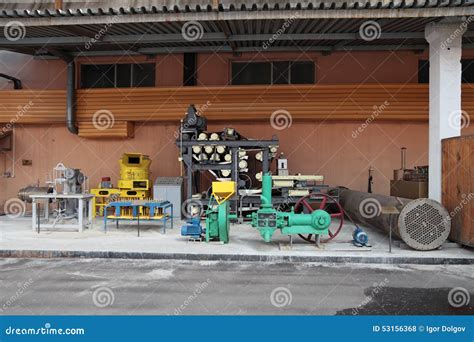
(267, 219)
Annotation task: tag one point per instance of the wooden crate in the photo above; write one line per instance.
(458, 187)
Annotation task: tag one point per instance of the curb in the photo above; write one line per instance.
(233, 257)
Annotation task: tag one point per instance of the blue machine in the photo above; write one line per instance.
(193, 228)
(360, 238)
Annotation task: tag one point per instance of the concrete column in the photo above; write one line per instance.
(445, 41)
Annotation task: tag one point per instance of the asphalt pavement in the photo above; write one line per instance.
(170, 287)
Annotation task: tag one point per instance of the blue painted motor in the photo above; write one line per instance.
(193, 228)
(360, 238)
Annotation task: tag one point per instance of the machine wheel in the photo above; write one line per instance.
(321, 201)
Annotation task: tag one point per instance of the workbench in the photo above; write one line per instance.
(84, 211)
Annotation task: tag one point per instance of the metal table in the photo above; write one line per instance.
(134, 212)
(84, 210)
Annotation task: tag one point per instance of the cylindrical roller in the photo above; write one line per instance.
(225, 173)
(423, 224)
(228, 157)
(208, 149)
(220, 149)
(197, 149)
(259, 156)
(243, 164)
(202, 136)
(214, 136)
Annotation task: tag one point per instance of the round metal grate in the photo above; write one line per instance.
(424, 224)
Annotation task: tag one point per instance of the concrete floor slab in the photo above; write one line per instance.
(18, 239)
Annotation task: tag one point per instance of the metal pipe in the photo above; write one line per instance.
(422, 224)
(404, 158)
(16, 82)
(71, 97)
(266, 197)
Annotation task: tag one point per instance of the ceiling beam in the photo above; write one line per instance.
(227, 48)
(433, 12)
(207, 37)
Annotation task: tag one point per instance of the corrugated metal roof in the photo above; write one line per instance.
(96, 8)
(147, 36)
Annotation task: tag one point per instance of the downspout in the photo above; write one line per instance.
(16, 81)
(71, 96)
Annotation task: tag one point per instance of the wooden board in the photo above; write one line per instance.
(458, 187)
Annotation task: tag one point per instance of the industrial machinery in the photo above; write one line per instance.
(25, 193)
(423, 224)
(193, 123)
(66, 193)
(193, 229)
(134, 182)
(218, 215)
(359, 237)
(267, 219)
(224, 156)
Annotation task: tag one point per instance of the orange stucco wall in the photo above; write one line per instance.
(322, 148)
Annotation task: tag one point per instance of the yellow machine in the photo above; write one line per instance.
(134, 172)
(134, 182)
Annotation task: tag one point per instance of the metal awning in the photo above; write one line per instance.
(91, 28)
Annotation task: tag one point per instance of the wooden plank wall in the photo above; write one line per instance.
(315, 102)
(458, 187)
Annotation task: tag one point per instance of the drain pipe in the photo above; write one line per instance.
(16, 81)
(71, 96)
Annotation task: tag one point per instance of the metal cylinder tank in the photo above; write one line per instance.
(423, 224)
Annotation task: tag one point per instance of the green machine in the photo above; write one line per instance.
(267, 219)
(218, 214)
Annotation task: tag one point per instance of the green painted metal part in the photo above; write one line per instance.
(267, 219)
(218, 221)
